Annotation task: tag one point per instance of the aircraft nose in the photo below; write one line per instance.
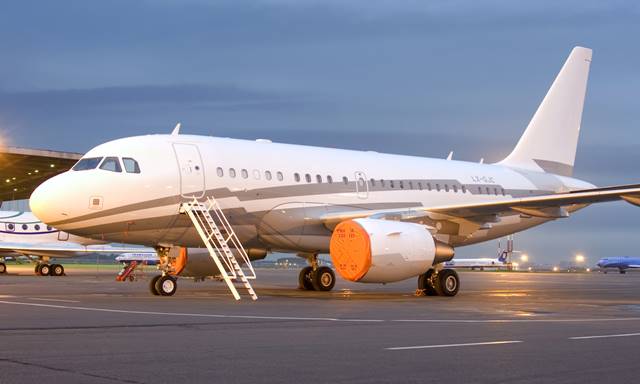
(48, 200)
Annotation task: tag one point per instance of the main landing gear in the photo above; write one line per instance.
(316, 278)
(3, 268)
(44, 269)
(444, 282)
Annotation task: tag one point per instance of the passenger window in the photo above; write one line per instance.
(382, 183)
(319, 179)
(244, 173)
(279, 176)
(391, 183)
(373, 182)
(438, 187)
(411, 185)
(495, 190)
(480, 190)
(329, 179)
(232, 172)
(455, 188)
(446, 187)
(296, 177)
(488, 190)
(11, 227)
(111, 164)
(267, 175)
(25, 227)
(37, 227)
(220, 172)
(464, 189)
(401, 184)
(345, 180)
(429, 186)
(420, 185)
(130, 165)
(307, 177)
(503, 194)
(87, 164)
(256, 174)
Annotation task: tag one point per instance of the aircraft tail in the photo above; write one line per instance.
(550, 141)
(503, 257)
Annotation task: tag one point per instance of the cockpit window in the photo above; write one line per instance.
(130, 165)
(86, 164)
(111, 164)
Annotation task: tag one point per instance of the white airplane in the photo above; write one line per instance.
(22, 234)
(381, 217)
(478, 263)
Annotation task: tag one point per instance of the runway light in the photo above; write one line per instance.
(579, 258)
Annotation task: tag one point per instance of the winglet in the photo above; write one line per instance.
(176, 130)
(450, 155)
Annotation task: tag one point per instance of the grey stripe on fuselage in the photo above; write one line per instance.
(310, 189)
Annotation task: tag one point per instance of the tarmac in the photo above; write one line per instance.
(501, 328)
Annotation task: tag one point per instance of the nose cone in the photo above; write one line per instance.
(48, 202)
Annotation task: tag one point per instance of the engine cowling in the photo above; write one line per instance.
(382, 251)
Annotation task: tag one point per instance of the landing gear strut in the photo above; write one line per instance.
(444, 282)
(316, 278)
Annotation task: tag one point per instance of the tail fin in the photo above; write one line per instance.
(549, 143)
(503, 257)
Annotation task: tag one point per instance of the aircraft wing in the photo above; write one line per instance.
(66, 249)
(547, 206)
(23, 169)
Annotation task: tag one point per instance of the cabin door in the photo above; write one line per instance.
(362, 188)
(191, 170)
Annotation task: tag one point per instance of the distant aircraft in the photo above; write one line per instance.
(479, 263)
(620, 263)
(22, 234)
(381, 217)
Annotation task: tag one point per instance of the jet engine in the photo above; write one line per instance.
(383, 251)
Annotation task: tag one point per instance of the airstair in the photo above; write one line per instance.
(219, 238)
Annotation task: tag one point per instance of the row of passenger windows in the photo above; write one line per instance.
(25, 227)
(110, 163)
(373, 183)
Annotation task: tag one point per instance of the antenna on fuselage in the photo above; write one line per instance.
(176, 130)
(450, 155)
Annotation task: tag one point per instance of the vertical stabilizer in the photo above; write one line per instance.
(549, 143)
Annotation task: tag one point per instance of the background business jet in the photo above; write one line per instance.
(381, 217)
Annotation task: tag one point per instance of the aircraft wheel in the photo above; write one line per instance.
(44, 270)
(3, 268)
(57, 270)
(166, 285)
(152, 285)
(622, 271)
(323, 279)
(448, 282)
(304, 279)
(425, 283)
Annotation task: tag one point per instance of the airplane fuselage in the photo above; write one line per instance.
(276, 194)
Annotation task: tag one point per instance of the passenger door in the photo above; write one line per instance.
(192, 183)
(362, 188)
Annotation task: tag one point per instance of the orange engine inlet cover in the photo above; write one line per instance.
(350, 250)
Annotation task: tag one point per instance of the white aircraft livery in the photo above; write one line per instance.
(381, 217)
(22, 234)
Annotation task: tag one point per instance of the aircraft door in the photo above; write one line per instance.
(362, 188)
(191, 170)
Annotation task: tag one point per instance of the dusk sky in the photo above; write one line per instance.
(411, 77)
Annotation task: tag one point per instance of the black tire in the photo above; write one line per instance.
(166, 285)
(36, 270)
(304, 279)
(425, 283)
(323, 279)
(44, 270)
(57, 270)
(3, 268)
(448, 282)
(622, 271)
(152, 285)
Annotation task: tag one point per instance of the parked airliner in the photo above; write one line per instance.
(381, 217)
(478, 263)
(23, 234)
